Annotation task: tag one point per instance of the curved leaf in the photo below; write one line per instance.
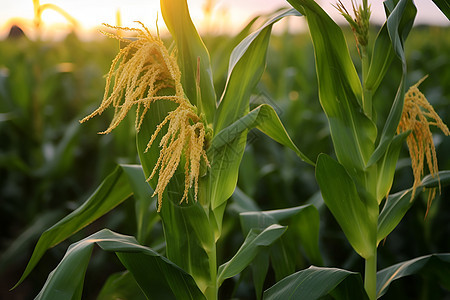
(314, 283)
(399, 203)
(414, 266)
(157, 276)
(301, 221)
(252, 245)
(112, 191)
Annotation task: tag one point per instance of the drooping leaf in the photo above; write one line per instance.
(157, 276)
(253, 243)
(191, 49)
(302, 222)
(436, 263)
(314, 283)
(112, 191)
(355, 217)
(399, 203)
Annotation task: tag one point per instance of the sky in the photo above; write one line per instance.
(227, 15)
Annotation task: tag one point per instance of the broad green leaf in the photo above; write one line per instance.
(190, 241)
(230, 143)
(436, 263)
(386, 166)
(247, 63)
(252, 245)
(398, 204)
(302, 223)
(157, 276)
(265, 119)
(382, 57)
(314, 283)
(444, 6)
(340, 90)
(260, 266)
(112, 191)
(341, 197)
(245, 69)
(190, 49)
(121, 286)
(399, 23)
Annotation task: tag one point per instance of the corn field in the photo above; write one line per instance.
(311, 165)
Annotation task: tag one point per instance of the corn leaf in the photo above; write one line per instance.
(314, 283)
(444, 6)
(386, 166)
(340, 90)
(438, 264)
(302, 222)
(121, 286)
(253, 243)
(230, 143)
(245, 69)
(190, 49)
(341, 197)
(247, 63)
(398, 204)
(189, 240)
(399, 23)
(113, 190)
(157, 276)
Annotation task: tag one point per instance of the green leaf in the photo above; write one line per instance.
(252, 245)
(436, 263)
(444, 6)
(353, 215)
(399, 203)
(340, 90)
(315, 282)
(190, 241)
(121, 286)
(245, 69)
(386, 166)
(157, 276)
(302, 223)
(112, 191)
(265, 119)
(399, 23)
(247, 63)
(190, 48)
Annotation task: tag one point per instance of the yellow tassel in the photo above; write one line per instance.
(140, 70)
(418, 115)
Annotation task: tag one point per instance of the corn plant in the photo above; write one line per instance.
(356, 186)
(190, 146)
